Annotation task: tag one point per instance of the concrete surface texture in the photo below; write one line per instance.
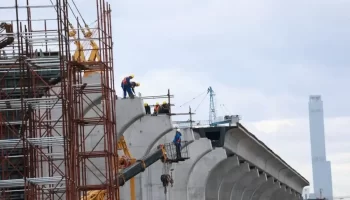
(243, 168)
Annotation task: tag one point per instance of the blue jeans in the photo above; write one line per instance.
(127, 89)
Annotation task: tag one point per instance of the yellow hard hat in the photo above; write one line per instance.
(164, 102)
(157, 103)
(137, 84)
(145, 104)
(132, 76)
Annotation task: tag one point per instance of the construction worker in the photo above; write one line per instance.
(133, 85)
(147, 109)
(156, 109)
(126, 85)
(164, 108)
(177, 143)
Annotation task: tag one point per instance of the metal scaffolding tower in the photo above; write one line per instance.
(43, 126)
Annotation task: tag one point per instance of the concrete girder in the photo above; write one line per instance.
(198, 149)
(200, 173)
(281, 193)
(231, 178)
(217, 175)
(244, 182)
(152, 186)
(267, 195)
(248, 192)
(128, 112)
(240, 142)
(265, 189)
(141, 136)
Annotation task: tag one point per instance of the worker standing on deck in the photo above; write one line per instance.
(177, 143)
(147, 109)
(126, 85)
(164, 108)
(156, 109)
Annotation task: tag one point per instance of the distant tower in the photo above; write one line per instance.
(321, 168)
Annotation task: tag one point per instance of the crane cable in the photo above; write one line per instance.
(76, 7)
(193, 98)
(201, 102)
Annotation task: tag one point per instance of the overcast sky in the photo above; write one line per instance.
(263, 58)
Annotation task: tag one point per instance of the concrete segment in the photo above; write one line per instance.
(240, 142)
(281, 193)
(217, 175)
(200, 173)
(198, 149)
(248, 192)
(272, 187)
(231, 178)
(128, 112)
(154, 187)
(244, 182)
(141, 136)
(268, 186)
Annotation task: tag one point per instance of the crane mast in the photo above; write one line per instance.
(212, 109)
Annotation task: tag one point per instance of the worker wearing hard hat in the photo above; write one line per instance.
(126, 85)
(133, 85)
(156, 109)
(147, 109)
(177, 143)
(164, 108)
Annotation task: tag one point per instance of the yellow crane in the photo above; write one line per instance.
(79, 51)
(125, 161)
(94, 55)
(88, 34)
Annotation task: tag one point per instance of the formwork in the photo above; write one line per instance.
(42, 97)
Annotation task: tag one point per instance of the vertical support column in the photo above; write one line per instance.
(93, 137)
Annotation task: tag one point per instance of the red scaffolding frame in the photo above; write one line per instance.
(46, 133)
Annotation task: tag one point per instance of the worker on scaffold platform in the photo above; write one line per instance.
(126, 85)
(177, 143)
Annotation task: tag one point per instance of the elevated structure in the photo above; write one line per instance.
(225, 162)
(321, 168)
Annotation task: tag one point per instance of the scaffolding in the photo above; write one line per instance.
(45, 132)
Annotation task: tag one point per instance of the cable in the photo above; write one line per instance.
(201, 102)
(193, 98)
(76, 7)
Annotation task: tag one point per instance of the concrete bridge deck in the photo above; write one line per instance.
(226, 162)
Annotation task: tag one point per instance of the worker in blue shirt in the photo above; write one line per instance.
(133, 85)
(177, 143)
(126, 85)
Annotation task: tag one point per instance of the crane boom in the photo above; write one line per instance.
(140, 165)
(79, 51)
(163, 153)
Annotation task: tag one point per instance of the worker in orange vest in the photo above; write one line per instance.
(126, 85)
(156, 109)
